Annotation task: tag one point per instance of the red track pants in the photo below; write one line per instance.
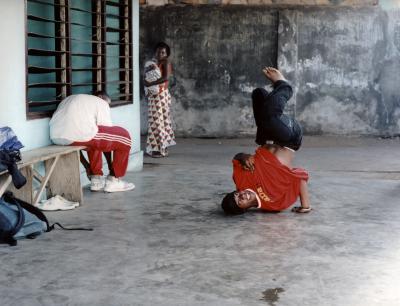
(108, 139)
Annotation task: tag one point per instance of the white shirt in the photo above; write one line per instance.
(77, 119)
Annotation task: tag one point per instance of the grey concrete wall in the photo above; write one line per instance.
(348, 71)
(217, 56)
(343, 63)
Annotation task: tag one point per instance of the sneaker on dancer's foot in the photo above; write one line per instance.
(96, 183)
(114, 184)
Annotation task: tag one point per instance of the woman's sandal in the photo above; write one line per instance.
(301, 210)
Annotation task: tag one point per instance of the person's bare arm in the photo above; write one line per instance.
(304, 199)
(304, 196)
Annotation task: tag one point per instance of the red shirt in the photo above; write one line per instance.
(276, 185)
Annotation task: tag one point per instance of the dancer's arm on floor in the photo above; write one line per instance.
(304, 196)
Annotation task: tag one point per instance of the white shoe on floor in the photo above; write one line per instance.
(114, 184)
(96, 183)
(76, 204)
(56, 203)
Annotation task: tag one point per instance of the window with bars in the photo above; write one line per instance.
(76, 46)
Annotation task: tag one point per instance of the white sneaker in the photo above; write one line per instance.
(96, 183)
(55, 203)
(114, 184)
(66, 202)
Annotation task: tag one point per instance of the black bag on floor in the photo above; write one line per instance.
(19, 219)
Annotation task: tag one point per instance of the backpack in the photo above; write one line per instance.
(19, 219)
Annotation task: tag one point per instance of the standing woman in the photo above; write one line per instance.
(160, 134)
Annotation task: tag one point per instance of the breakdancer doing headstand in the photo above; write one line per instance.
(267, 180)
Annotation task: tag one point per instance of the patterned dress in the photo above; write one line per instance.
(160, 133)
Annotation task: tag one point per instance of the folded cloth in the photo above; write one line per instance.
(8, 140)
(56, 203)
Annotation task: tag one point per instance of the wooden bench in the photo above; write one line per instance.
(62, 174)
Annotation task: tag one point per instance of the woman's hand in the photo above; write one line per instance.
(147, 84)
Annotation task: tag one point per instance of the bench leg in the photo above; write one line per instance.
(49, 166)
(25, 192)
(5, 180)
(65, 180)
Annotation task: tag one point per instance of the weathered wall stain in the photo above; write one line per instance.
(343, 63)
(340, 54)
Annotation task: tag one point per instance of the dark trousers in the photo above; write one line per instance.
(272, 124)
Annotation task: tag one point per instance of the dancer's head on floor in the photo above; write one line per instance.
(238, 202)
(162, 51)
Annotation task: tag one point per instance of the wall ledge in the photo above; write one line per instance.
(269, 3)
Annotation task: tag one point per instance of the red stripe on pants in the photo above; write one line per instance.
(108, 139)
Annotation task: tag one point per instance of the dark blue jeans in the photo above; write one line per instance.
(272, 124)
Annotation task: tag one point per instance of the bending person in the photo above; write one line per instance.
(85, 120)
(267, 181)
(274, 127)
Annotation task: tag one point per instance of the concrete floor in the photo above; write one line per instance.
(168, 243)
